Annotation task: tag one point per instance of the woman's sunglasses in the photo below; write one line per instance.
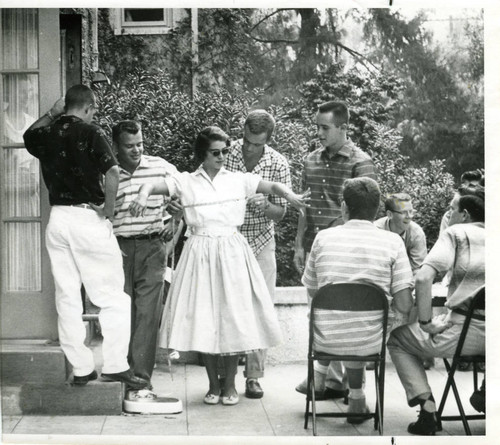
(217, 153)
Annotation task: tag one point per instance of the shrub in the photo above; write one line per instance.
(170, 118)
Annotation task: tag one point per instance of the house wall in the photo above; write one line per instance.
(119, 54)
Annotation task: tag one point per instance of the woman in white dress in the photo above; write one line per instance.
(218, 303)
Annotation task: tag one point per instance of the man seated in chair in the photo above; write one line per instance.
(358, 252)
(460, 249)
(399, 219)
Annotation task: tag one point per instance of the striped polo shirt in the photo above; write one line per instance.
(357, 252)
(150, 170)
(325, 174)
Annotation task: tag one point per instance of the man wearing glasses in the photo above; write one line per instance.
(399, 220)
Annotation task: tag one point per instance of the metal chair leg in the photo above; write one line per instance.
(308, 392)
(460, 407)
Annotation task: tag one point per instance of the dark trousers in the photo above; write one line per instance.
(144, 263)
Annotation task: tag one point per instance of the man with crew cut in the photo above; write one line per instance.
(325, 170)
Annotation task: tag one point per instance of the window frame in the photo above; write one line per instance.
(121, 27)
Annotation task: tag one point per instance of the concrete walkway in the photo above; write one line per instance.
(278, 414)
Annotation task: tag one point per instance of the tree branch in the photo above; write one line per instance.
(268, 16)
(288, 42)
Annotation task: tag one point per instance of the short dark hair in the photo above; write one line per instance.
(474, 206)
(339, 110)
(78, 96)
(127, 126)
(393, 198)
(471, 175)
(362, 197)
(260, 121)
(205, 139)
(474, 190)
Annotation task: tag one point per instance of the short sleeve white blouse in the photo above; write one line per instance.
(217, 203)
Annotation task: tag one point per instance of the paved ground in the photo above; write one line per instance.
(279, 413)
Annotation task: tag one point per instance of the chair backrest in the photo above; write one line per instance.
(347, 317)
(477, 303)
(350, 297)
(478, 300)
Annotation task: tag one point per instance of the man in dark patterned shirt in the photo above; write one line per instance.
(74, 155)
(325, 171)
(252, 154)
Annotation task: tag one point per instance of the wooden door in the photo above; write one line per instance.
(30, 82)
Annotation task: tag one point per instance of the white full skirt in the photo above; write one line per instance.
(218, 302)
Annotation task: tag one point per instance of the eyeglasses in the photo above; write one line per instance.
(407, 213)
(217, 153)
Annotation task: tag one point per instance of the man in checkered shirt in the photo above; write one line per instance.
(252, 154)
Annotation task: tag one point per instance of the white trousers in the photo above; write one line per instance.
(83, 249)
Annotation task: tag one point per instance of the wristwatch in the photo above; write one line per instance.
(421, 322)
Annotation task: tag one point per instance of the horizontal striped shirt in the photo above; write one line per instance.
(325, 174)
(358, 252)
(150, 170)
(258, 229)
(341, 332)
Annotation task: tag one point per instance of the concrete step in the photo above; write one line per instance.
(32, 361)
(35, 377)
(95, 398)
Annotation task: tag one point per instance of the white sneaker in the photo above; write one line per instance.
(145, 401)
(141, 395)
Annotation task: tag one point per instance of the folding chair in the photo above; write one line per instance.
(476, 303)
(351, 299)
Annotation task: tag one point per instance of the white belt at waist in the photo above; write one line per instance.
(214, 231)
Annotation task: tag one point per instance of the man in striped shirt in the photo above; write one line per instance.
(325, 171)
(358, 252)
(141, 241)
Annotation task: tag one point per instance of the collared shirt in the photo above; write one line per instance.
(460, 248)
(356, 252)
(217, 203)
(257, 228)
(325, 176)
(414, 239)
(150, 170)
(74, 155)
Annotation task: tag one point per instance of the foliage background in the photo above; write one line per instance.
(417, 107)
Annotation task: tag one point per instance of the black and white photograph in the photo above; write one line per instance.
(232, 223)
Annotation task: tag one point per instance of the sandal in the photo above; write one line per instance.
(231, 400)
(211, 399)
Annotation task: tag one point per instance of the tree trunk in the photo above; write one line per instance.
(307, 57)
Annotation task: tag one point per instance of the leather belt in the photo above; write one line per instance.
(83, 206)
(148, 236)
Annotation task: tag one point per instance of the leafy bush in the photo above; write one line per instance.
(170, 118)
